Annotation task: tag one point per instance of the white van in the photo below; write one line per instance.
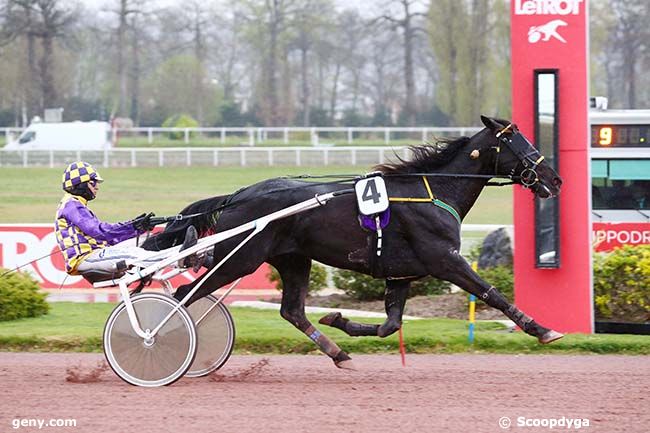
(64, 136)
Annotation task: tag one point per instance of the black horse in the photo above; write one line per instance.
(422, 237)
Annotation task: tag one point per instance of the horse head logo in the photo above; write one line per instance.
(546, 32)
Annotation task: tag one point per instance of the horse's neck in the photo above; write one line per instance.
(460, 192)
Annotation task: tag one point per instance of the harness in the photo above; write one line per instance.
(522, 148)
(431, 199)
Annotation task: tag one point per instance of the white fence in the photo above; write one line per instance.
(285, 136)
(201, 156)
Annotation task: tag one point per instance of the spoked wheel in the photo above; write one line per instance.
(216, 334)
(163, 359)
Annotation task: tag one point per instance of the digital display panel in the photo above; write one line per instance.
(620, 135)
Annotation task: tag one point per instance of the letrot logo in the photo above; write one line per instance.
(546, 32)
(547, 7)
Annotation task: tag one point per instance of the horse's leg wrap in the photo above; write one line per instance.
(495, 299)
(353, 329)
(330, 348)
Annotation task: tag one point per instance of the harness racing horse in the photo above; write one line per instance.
(421, 239)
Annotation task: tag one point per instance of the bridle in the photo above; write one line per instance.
(529, 157)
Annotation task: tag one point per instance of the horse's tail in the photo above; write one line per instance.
(203, 215)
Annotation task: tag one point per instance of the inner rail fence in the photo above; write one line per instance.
(197, 156)
(271, 136)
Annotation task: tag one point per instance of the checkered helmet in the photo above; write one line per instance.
(78, 173)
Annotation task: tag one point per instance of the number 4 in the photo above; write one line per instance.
(370, 192)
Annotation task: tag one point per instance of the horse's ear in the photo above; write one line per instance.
(490, 123)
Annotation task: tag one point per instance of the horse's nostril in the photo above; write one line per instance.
(557, 181)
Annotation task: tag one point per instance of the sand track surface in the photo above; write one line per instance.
(259, 394)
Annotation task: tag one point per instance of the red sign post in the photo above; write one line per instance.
(552, 34)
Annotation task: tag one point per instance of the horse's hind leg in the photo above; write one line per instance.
(294, 271)
(461, 274)
(394, 301)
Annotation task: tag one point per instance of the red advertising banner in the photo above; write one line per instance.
(34, 245)
(607, 236)
(552, 35)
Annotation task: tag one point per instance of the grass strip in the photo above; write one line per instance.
(74, 327)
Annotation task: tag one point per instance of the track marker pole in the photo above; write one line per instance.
(472, 310)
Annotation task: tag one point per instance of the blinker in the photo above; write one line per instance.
(523, 149)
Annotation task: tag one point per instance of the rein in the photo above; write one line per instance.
(530, 158)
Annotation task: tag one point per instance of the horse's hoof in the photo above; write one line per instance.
(345, 365)
(330, 319)
(550, 336)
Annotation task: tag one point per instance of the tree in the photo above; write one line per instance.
(309, 29)
(409, 28)
(381, 77)
(631, 40)
(47, 21)
(125, 11)
(193, 18)
(267, 23)
(169, 92)
(352, 34)
(446, 27)
(470, 41)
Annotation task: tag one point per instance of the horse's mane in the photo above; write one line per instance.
(427, 156)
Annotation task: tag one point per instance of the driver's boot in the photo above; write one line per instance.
(191, 238)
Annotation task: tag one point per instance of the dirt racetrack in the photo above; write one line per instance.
(433, 393)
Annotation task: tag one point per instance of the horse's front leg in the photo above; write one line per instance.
(294, 271)
(394, 301)
(459, 272)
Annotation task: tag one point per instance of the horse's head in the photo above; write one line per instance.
(516, 157)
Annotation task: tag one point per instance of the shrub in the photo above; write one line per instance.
(317, 278)
(622, 284)
(365, 288)
(19, 297)
(501, 277)
(180, 121)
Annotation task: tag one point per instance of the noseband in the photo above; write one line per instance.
(529, 157)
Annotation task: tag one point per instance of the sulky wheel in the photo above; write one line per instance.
(163, 359)
(216, 333)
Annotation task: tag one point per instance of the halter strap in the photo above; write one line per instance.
(431, 199)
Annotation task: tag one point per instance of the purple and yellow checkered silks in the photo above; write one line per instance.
(78, 173)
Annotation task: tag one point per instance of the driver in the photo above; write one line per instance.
(90, 245)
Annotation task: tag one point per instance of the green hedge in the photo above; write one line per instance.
(20, 297)
(501, 277)
(317, 278)
(622, 284)
(366, 288)
(180, 121)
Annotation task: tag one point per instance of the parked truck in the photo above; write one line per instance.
(64, 136)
